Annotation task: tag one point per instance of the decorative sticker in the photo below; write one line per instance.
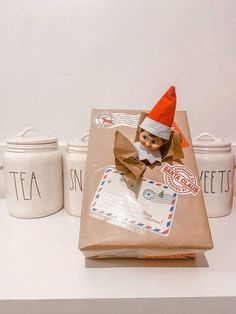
(114, 119)
(151, 209)
(184, 142)
(180, 179)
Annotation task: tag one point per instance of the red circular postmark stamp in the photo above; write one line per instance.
(105, 120)
(180, 179)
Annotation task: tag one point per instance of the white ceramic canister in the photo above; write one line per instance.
(74, 163)
(33, 175)
(216, 166)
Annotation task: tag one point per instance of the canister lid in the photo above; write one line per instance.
(78, 144)
(208, 142)
(25, 137)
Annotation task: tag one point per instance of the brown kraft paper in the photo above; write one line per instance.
(111, 148)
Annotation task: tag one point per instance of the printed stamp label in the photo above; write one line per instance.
(150, 209)
(180, 179)
(115, 119)
(105, 120)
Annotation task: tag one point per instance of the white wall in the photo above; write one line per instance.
(59, 58)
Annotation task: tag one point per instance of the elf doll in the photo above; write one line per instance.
(155, 130)
(155, 141)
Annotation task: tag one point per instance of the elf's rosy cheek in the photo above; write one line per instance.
(155, 146)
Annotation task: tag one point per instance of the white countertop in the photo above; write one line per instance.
(40, 260)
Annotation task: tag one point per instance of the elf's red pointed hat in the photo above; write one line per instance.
(159, 121)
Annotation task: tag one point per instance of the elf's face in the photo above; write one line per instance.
(150, 142)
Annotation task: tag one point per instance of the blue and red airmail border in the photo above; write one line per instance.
(133, 222)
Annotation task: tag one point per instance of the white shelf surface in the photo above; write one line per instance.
(40, 261)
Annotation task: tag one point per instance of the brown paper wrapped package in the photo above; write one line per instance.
(189, 234)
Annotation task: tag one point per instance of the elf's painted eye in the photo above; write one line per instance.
(153, 141)
(145, 137)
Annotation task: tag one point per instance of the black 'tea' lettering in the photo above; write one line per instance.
(215, 180)
(25, 191)
(76, 180)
